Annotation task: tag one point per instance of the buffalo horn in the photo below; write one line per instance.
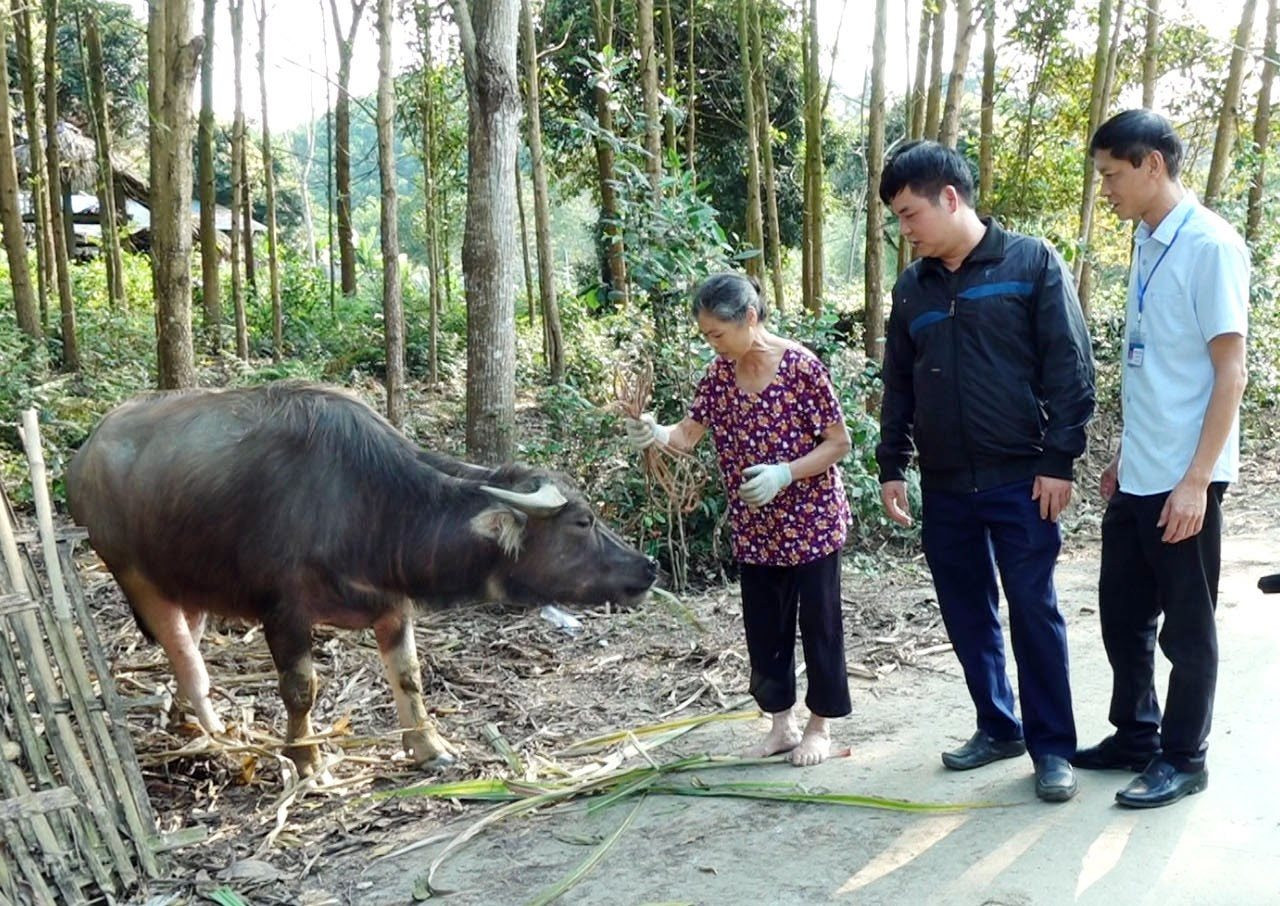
(545, 501)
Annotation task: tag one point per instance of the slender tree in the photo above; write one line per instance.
(873, 316)
(269, 191)
(774, 237)
(108, 215)
(691, 93)
(649, 92)
(239, 235)
(986, 128)
(614, 250)
(1151, 54)
(26, 306)
(754, 218)
(933, 100)
(59, 222)
(172, 56)
(552, 332)
(524, 242)
(916, 108)
(1224, 139)
(950, 128)
(38, 176)
(210, 278)
(487, 31)
(392, 305)
(342, 135)
(430, 206)
(1262, 127)
(669, 78)
(812, 267)
(1097, 106)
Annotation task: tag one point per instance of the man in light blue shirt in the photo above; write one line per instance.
(1183, 377)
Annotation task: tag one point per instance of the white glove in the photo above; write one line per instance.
(643, 431)
(763, 483)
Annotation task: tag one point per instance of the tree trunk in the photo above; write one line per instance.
(524, 243)
(246, 214)
(342, 135)
(552, 333)
(430, 201)
(308, 164)
(774, 238)
(108, 215)
(916, 109)
(752, 214)
(1225, 138)
(26, 306)
(1097, 105)
(813, 277)
(62, 267)
(950, 130)
(1262, 127)
(392, 305)
(986, 129)
(873, 269)
(933, 101)
(210, 278)
(38, 178)
(613, 246)
(1151, 55)
(691, 97)
(649, 91)
(238, 188)
(269, 190)
(172, 56)
(488, 31)
(669, 78)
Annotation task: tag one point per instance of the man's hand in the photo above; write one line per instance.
(1183, 514)
(1053, 494)
(893, 494)
(763, 482)
(643, 432)
(1109, 481)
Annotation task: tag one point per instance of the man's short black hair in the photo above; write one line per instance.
(1134, 134)
(926, 168)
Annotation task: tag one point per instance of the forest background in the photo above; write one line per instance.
(495, 245)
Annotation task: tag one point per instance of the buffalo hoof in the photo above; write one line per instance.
(305, 758)
(428, 749)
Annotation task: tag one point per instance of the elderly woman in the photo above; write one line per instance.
(779, 433)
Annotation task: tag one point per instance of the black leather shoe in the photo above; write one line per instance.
(1160, 784)
(982, 749)
(1109, 756)
(1055, 781)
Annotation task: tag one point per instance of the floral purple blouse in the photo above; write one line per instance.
(809, 518)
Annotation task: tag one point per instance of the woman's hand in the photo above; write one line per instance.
(644, 431)
(763, 482)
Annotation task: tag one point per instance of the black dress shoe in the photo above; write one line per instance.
(1055, 781)
(1160, 784)
(1109, 756)
(982, 749)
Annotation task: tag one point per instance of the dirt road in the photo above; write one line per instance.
(1219, 847)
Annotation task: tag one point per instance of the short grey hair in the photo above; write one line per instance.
(728, 296)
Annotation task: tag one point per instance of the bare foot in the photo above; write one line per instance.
(783, 736)
(814, 746)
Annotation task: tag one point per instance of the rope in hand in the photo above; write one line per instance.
(679, 474)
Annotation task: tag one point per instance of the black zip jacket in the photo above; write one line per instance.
(988, 369)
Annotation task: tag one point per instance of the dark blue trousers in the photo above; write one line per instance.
(1141, 579)
(967, 539)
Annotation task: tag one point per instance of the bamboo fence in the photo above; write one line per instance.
(76, 826)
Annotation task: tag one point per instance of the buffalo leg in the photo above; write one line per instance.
(290, 646)
(400, 659)
(165, 620)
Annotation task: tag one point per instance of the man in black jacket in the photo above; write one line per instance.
(988, 373)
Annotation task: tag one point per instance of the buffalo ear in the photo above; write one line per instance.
(502, 525)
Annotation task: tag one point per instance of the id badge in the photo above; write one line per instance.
(1133, 358)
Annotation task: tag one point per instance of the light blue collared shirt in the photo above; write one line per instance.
(1199, 290)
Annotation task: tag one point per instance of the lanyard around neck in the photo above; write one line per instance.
(1143, 284)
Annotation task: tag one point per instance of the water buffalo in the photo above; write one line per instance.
(293, 504)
